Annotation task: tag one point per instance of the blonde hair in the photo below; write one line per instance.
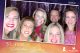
(48, 31)
(14, 32)
(42, 10)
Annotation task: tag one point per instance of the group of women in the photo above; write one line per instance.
(33, 28)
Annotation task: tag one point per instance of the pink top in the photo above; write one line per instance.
(70, 37)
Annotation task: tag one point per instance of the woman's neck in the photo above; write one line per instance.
(71, 28)
(23, 38)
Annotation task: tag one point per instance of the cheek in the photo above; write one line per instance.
(42, 21)
(22, 29)
(52, 18)
(30, 31)
(66, 20)
(74, 21)
(36, 19)
(6, 21)
(15, 22)
(51, 37)
(57, 17)
(58, 37)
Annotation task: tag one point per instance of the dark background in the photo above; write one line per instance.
(2, 4)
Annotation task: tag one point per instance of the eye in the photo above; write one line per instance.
(67, 17)
(36, 16)
(50, 33)
(30, 27)
(24, 25)
(16, 18)
(58, 34)
(7, 16)
(73, 17)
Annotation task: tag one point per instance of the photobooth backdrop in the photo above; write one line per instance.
(26, 9)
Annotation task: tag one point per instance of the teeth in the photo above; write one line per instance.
(10, 25)
(26, 32)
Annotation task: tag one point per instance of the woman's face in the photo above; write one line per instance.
(11, 21)
(54, 16)
(27, 28)
(39, 18)
(70, 18)
(54, 35)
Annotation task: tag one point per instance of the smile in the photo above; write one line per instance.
(26, 32)
(10, 25)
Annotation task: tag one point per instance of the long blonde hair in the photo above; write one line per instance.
(42, 10)
(48, 31)
(14, 32)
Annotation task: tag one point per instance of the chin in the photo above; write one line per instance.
(10, 29)
(25, 35)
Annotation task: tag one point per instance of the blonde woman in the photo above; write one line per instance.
(40, 18)
(11, 20)
(54, 34)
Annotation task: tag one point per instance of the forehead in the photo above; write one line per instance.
(54, 12)
(13, 12)
(39, 13)
(54, 29)
(70, 13)
(28, 22)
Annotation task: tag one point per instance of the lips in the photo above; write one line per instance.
(70, 23)
(26, 32)
(10, 25)
(53, 40)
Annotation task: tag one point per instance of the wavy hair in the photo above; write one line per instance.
(12, 34)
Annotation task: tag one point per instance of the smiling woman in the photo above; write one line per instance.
(40, 18)
(26, 29)
(70, 21)
(54, 34)
(11, 20)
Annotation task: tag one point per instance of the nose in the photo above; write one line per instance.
(54, 36)
(11, 20)
(27, 28)
(70, 20)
